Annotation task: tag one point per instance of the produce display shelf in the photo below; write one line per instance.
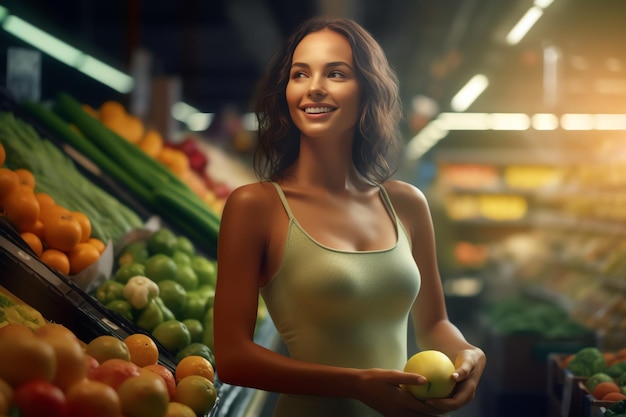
(58, 298)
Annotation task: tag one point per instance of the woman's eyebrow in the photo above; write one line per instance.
(327, 65)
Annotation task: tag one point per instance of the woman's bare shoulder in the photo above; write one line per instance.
(252, 197)
(404, 193)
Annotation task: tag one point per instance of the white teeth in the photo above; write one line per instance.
(315, 110)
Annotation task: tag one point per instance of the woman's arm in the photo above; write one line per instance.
(432, 326)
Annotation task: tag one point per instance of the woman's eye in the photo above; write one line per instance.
(298, 74)
(336, 74)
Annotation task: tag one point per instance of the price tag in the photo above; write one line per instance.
(24, 74)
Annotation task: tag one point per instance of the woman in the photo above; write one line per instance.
(341, 254)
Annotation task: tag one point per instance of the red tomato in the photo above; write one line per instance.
(38, 398)
(115, 371)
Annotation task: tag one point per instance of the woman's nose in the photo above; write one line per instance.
(316, 88)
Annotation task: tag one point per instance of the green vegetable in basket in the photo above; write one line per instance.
(596, 379)
(617, 409)
(617, 369)
(110, 290)
(150, 317)
(121, 307)
(587, 362)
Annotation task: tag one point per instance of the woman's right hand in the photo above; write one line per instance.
(382, 390)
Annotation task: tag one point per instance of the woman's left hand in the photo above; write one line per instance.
(470, 364)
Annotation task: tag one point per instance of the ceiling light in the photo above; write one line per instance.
(523, 26)
(470, 92)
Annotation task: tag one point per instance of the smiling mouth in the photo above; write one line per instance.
(318, 110)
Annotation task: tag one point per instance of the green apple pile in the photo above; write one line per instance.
(164, 286)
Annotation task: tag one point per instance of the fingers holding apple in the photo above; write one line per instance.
(439, 371)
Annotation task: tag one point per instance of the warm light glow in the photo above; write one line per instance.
(469, 93)
(523, 26)
(610, 121)
(428, 137)
(544, 121)
(543, 3)
(250, 122)
(509, 121)
(464, 121)
(577, 122)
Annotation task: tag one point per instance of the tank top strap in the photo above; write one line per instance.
(283, 199)
(387, 201)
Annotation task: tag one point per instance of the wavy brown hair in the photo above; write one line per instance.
(376, 141)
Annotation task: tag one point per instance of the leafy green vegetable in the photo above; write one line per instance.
(587, 362)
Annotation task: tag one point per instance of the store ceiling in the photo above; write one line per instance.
(218, 48)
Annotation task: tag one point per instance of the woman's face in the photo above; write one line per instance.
(323, 91)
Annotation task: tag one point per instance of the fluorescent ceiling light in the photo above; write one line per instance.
(198, 122)
(106, 74)
(66, 53)
(509, 121)
(470, 92)
(41, 40)
(543, 3)
(577, 122)
(523, 26)
(181, 111)
(610, 121)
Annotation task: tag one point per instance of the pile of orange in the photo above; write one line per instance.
(49, 371)
(60, 237)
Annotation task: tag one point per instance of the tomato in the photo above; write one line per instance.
(38, 398)
(114, 372)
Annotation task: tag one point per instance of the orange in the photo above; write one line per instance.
(115, 371)
(175, 409)
(90, 110)
(144, 396)
(17, 329)
(143, 350)
(85, 224)
(110, 110)
(21, 207)
(70, 360)
(194, 365)
(81, 256)
(26, 177)
(36, 229)
(167, 375)
(9, 181)
(92, 399)
(151, 143)
(603, 388)
(62, 231)
(33, 241)
(106, 347)
(97, 243)
(49, 212)
(56, 259)
(175, 159)
(614, 396)
(6, 396)
(3, 155)
(197, 392)
(24, 358)
(44, 199)
(134, 129)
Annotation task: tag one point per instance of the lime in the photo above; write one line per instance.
(181, 258)
(187, 277)
(121, 307)
(129, 270)
(160, 267)
(150, 317)
(208, 336)
(184, 244)
(205, 269)
(110, 290)
(167, 313)
(197, 349)
(196, 329)
(162, 241)
(133, 252)
(194, 307)
(106, 347)
(173, 335)
(173, 294)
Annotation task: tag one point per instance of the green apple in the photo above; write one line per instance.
(437, 368)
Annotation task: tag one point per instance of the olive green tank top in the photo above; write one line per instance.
(341, 308)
